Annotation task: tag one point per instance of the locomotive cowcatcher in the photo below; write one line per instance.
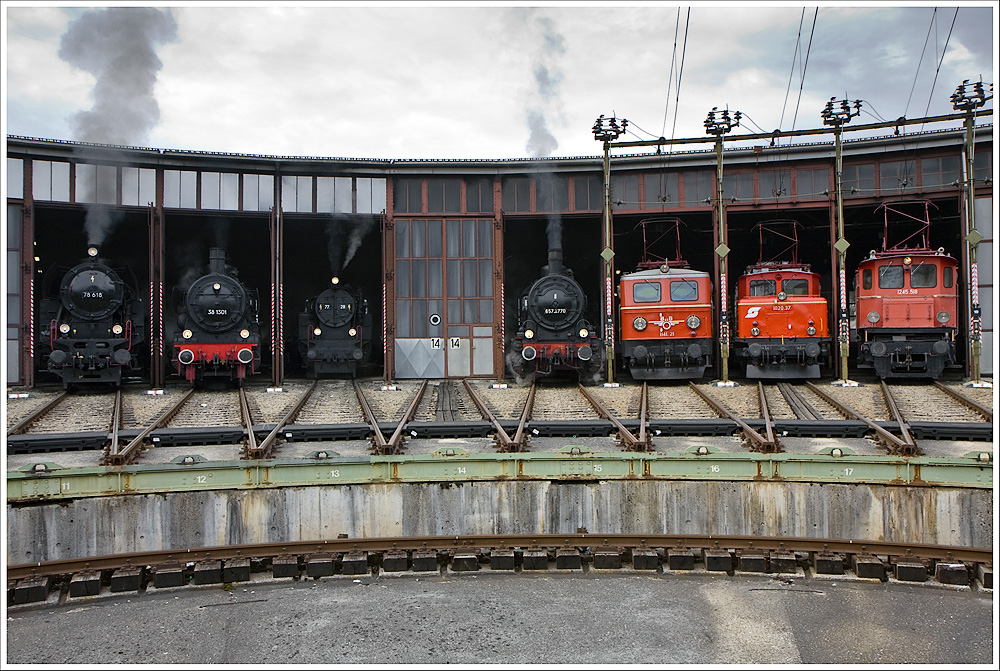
(782, 328)
(907, 300)
(335, 331)
(94, 329)
(217, 333)
(666, 314)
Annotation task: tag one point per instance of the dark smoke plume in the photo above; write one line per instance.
(344, 237)
(117, 46)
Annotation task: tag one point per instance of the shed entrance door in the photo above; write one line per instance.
(444, 298)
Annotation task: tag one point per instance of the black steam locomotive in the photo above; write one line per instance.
(552, 333)
(94, 330)
(335, 331)
(217, 333)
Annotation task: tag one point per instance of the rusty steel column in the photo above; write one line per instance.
(27, 345)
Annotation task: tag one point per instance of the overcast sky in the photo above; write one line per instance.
(467, 80)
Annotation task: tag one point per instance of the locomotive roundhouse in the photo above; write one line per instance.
(443, 248)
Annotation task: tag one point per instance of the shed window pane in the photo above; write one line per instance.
(484, 243)
(15, 178)
(210, 190)
(402, 319)
(419, 316)
(229, 191)
(60, 182)
(403, 237)
(454, 238)
(434, 278)
(485, 277)
(419, 278)
(403, 278)
(434, 238)
(13, 227)
(469, 276)
(41, 180)
(418, 237)
(468, 238)
(454, 278)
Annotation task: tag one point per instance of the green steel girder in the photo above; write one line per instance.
(48, 481)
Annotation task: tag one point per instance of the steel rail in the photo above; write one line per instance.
(116, 421)
(904, 429)
(159, 558)
(266, 446)
(800, 406)
(985, 412)
(765, 414)
(895, 443)
(758, 442)
(520, 437)
(643, 414)
(247, 422)
(366, 410)
(36, 415)
(125, 455)
(504, 441)
(627, 437)
(397, 435)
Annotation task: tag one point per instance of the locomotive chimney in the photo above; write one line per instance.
(554, 234)
(217, 260)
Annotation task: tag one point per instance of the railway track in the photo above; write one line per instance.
(873, 560)
(897, 415)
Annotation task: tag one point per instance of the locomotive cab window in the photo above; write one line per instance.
(796, 287)
(762, 288)
(948, 279)
(890, 277)
(646, 292)
(683, 290)
(923, 276)
(866, 278)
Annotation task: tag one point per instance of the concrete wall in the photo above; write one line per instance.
(113, 525)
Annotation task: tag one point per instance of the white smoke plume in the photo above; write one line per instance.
(118, 46)
(541, 142)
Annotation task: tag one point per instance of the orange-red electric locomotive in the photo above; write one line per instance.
(782, 328)
(907, 301)
(666, 316)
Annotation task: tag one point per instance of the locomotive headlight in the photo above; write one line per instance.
(216, 286)
(755, 331)
(317, 331)
(186, 334)
(907, 260)
(335, 280)
(873, 317)
(639, 324)
(117, 329)
(943, 317)
(529, 334)
(64, 328)
(92, 251)
(693, 322)
(244, 334)
(811, 330)
(782, 295)
(584, 333)
(352, 332)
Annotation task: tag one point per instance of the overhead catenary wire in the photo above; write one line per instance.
(921, 60)
(805, 65)
(791, 72)
(940, 61)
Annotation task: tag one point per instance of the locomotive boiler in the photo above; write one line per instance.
(553, 334)
(217, 333)
(335, 331)
(93, 331)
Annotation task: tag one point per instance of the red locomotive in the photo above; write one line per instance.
(782, 323)
(907, 301)
(666, 316)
